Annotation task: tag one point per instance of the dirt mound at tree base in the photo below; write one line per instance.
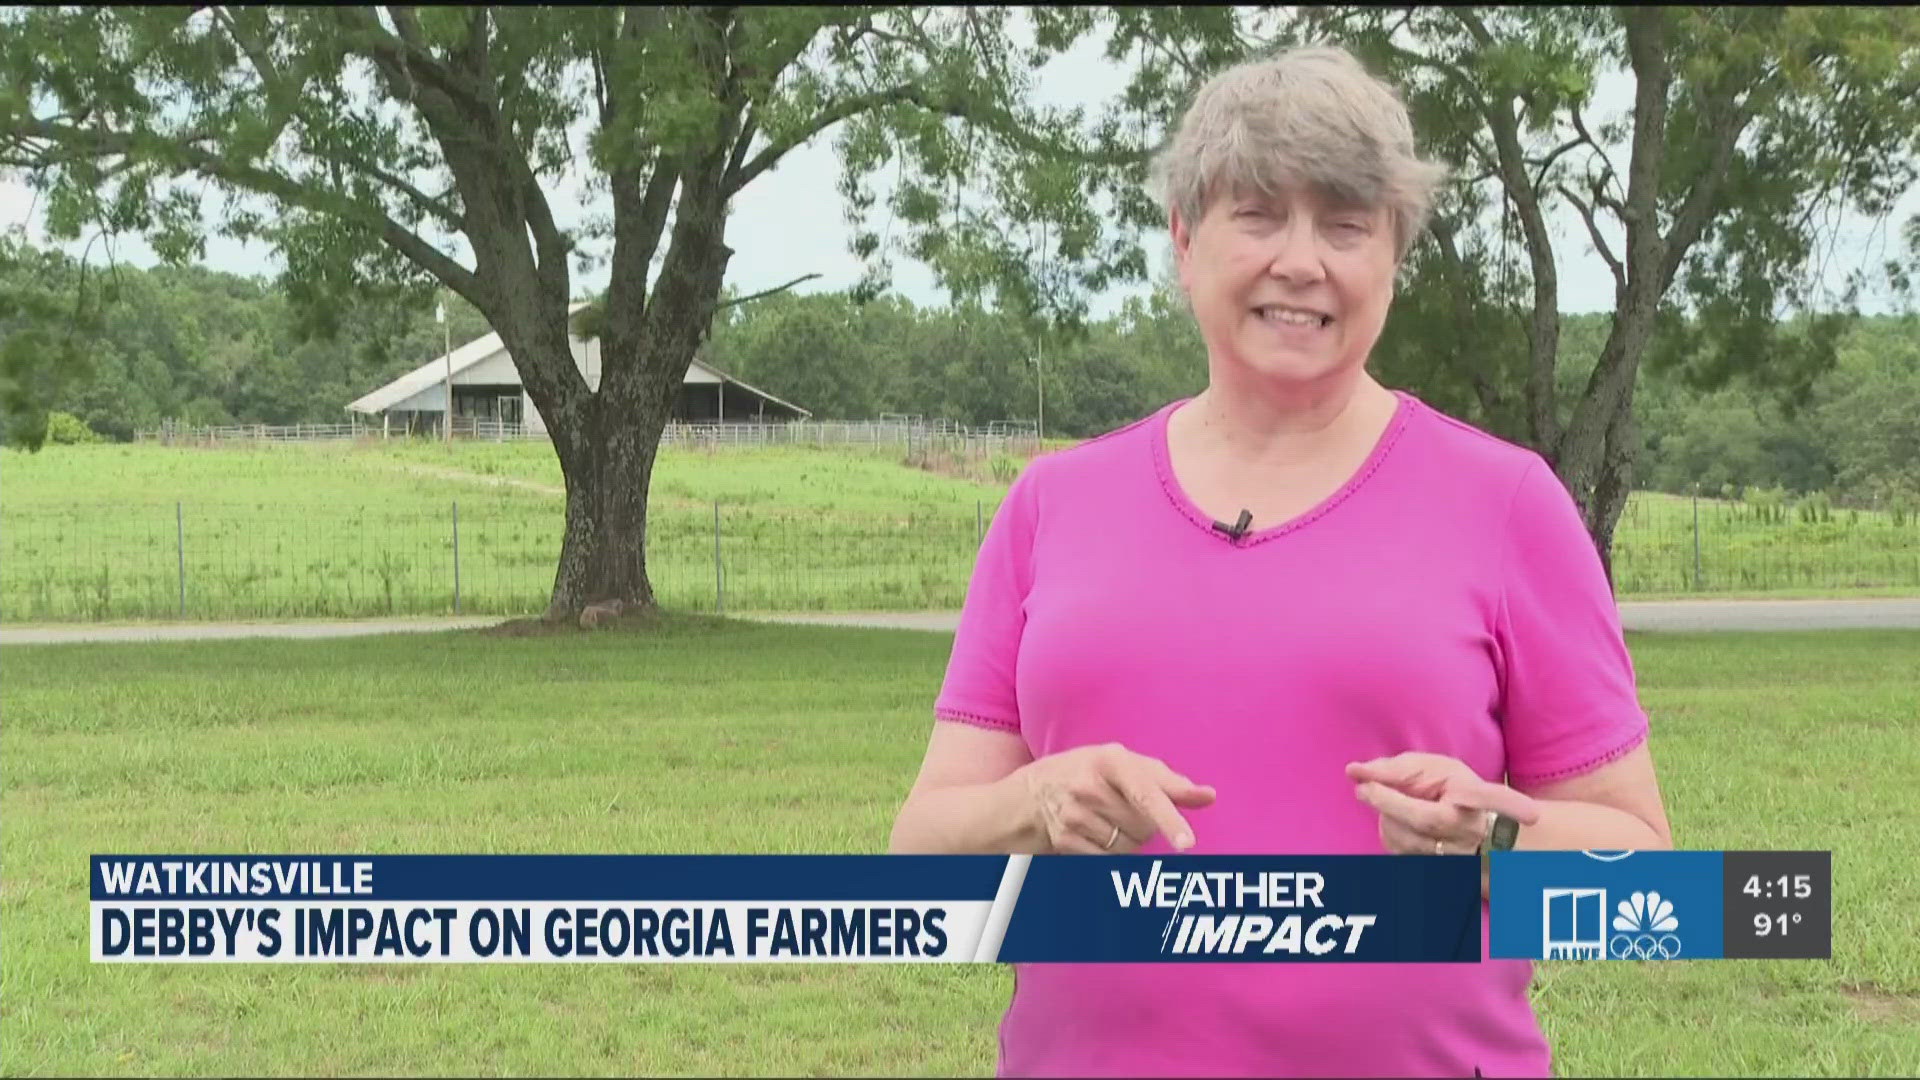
(613, 615)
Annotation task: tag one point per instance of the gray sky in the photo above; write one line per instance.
(789, 222)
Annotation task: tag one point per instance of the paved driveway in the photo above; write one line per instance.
(1634, 615)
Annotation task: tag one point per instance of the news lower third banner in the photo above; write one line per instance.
(782, 908)
(920, 909)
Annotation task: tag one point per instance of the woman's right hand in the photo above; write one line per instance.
(1108, 800)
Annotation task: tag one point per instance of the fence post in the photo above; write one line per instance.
(1696, 538)
(456, 556)
(719, 588)
(180, 549)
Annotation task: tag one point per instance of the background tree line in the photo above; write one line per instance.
(207, 347)
(1708, 178)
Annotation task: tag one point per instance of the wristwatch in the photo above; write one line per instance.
(1502, 832)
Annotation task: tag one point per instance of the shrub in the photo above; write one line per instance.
(67, 429)
(1766, 506)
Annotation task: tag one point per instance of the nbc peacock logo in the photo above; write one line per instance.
(1643, 929)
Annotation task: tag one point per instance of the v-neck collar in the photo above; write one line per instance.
(1163, 466)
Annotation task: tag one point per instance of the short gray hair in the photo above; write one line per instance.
(1309, 115)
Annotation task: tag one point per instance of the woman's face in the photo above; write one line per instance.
(1292, 287)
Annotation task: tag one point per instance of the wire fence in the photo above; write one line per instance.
(199, 559)
(1675, 545)
(211, 560)
(356, 428)
(910, 433)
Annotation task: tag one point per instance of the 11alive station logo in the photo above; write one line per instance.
(1606, 905)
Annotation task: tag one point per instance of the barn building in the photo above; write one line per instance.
(487, 392)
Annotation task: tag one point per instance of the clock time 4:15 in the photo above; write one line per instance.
(1778, 905)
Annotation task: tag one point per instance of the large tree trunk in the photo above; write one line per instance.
(1613, 484)
(1594, 457)
(608, 440)
(603, 552)
(1596, 450)
(607, 444)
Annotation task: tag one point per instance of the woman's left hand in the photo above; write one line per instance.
(1434, 805)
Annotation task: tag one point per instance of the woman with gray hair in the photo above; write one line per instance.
(1298, 613)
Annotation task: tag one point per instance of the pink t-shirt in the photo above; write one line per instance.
(1446, 599)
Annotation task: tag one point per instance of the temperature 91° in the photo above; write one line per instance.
(1777, 905)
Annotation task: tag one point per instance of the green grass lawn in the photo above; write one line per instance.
(100, 533)
(726, 737)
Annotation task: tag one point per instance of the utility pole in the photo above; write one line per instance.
(440, 316)
(1040, 376)
(1040, 350)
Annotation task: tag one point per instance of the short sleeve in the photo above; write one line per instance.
(979, 685)
(1569, 703)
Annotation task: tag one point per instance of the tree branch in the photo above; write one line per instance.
(866, 29)
(1484, 156)
(1599, 242)
(401, 59)
(1610, 386)
(826, 118)
(778, 60)
(257, 54)
(1443, 232)
(749, 127)
(639, 217)
(1468, 89)
(1692, 217)
(1402, 24)
(277, 185)
(1601, 199)
(1580, 125)
(436, 207)
(451, 108)
(407, 25)
(1543, 333)
(476, 43)
(1173, 51)
(1540, 178)
(552, 247)
(998, 120)
(762, 294)
(1471, 21)
(1459, 77)
(1653, 75)
(600, 84)
(979, 40)
(287, 100)
(529, 197)
(654, 204)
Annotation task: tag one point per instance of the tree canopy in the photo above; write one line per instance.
(1703, 199)
(207, 347)
(399, 150)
